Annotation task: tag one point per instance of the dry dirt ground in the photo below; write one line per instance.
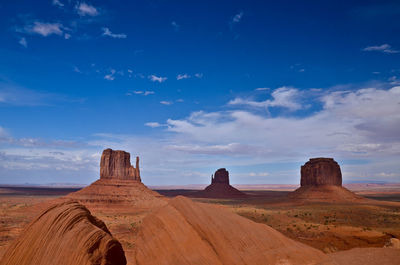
(328, 227)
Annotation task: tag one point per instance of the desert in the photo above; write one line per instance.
(118, 220)
(199, 132)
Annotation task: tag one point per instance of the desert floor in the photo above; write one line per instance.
(328, 227)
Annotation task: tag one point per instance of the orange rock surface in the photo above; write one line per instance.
(65, 234)
(185, 232)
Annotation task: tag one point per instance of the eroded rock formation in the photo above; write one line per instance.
(321, 171)
(220, 187)
(321, 180)
(184, 232)
(220, 176)
(65, 234)
(119, 183)
(117, 165)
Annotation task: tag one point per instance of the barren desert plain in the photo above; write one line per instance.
(333, 225)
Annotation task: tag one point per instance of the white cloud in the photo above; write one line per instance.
(153, 124)
(175, 26)
(286, 97)
(166, 102)
(236, 18)
(67, 36)
(84, 9)
(45, 29)
(144, 93)
(394, 80)
(361, 123)
(182, 76)
(107, 32)
(57, 3)
(155, 78)
(385, 48)
(262, 88)
(258, 174)
(111, 75)
(23, 42)
(199, 75)
(77, 70)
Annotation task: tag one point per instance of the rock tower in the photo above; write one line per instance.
(321, 171)
(117, 165)
(220, 176)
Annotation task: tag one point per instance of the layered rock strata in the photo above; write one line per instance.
(117, 165)
(65, 234)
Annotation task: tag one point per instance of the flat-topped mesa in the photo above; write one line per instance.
(321, 171)
(220, 176)
(117, 165)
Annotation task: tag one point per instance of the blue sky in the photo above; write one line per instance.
(257, 87)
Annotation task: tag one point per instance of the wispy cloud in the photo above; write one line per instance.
(262, 88)
(57, 3)
(111, 75)
(23, 42)
(16, 95)
(153, 124)
(198, 75)
(144, 93)
(385, 48)
(44, 29)
(175, 26)
(155, 78)
(107, 32)
(237, 18)
(84, 9)
(163, 102)
(77, 70)
(182, 76)
(286, 97)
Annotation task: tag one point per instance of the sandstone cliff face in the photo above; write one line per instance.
(65, 234)
(220, 176)
(117, 165)
(321, 171)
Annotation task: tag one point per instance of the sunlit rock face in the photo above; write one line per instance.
(117, 165)
(321, 171)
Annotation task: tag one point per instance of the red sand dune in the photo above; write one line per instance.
(65, 234)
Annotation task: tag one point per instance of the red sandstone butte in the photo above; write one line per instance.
(220, 187)
(321, 171)
(321, 180)
(117, 165)
(119, 183)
